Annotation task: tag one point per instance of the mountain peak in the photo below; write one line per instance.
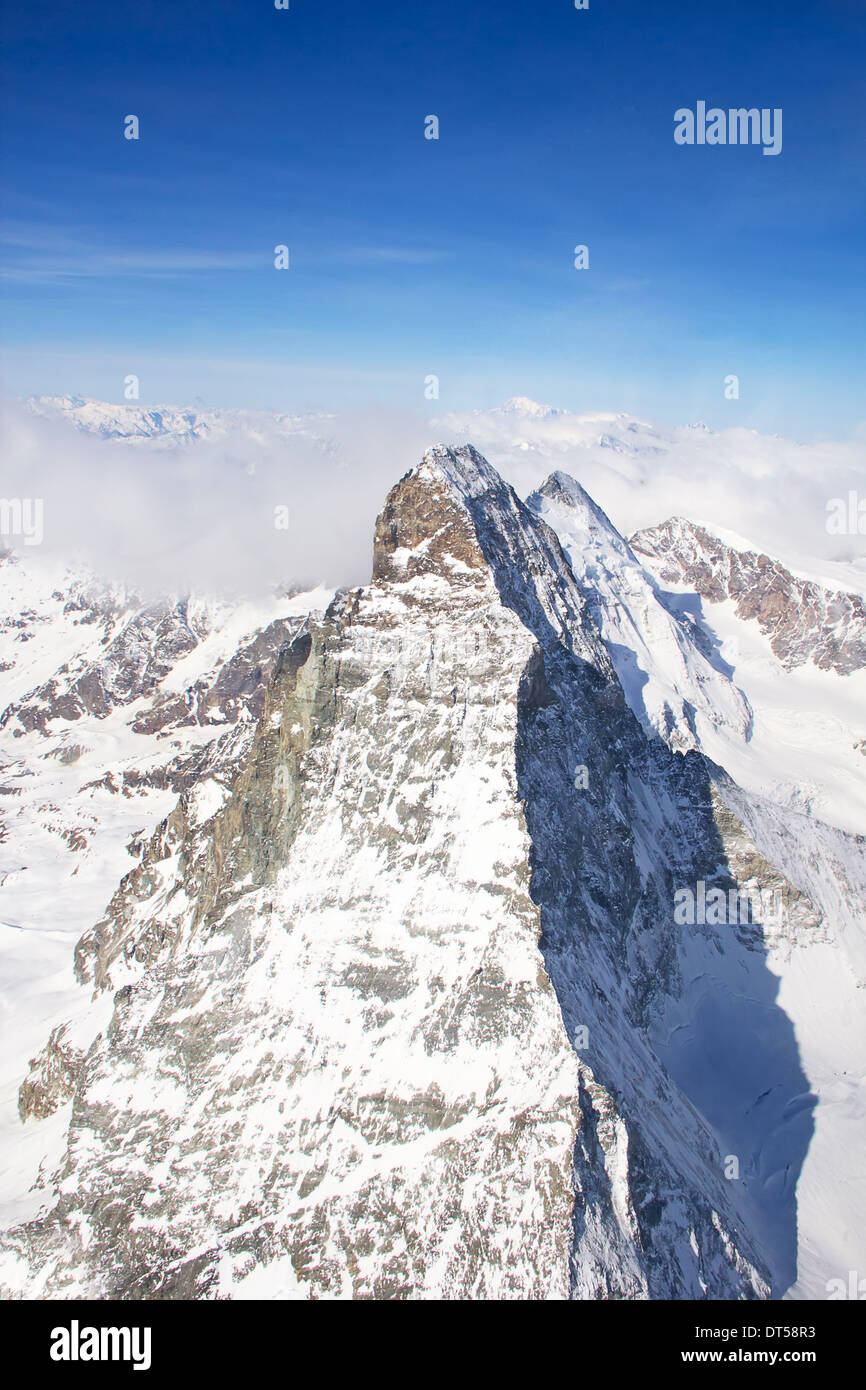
(673, 688)
(463, 470)
(524, 405)
(423, 527)
(561, 491)
(562, 487)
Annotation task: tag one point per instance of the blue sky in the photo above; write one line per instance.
(453, 257)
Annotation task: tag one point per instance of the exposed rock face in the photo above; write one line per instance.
(420, 530)
(109, 715)
(132, 665)
(138, 650)
(53, 1076)
(397, 1006)
(234, 691)
(803, 621)
(161, 880)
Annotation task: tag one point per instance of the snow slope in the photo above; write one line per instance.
(674, 683)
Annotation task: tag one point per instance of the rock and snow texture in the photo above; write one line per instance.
(796, 649)
(107, 712)
(803, 621)
(392, 999)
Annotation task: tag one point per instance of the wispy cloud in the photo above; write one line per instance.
(38, 257)
(390, 255)
(35, 255)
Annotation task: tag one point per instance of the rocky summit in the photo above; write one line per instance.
(395, 1002)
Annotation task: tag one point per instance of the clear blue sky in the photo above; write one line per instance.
(454, 256)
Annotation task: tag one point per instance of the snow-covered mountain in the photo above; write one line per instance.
(766, 493)
(673, 679)
(110, 706)
(167, 426)
(385, 986)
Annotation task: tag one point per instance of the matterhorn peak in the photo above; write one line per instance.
(461, 467)
(424, 526)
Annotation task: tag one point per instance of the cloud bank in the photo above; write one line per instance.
(207, 516)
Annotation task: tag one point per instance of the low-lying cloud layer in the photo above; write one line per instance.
(771, 492)
(207, 515)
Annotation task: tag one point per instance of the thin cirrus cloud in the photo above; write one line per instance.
(32, 257)
(54, 266)
(387, 255)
